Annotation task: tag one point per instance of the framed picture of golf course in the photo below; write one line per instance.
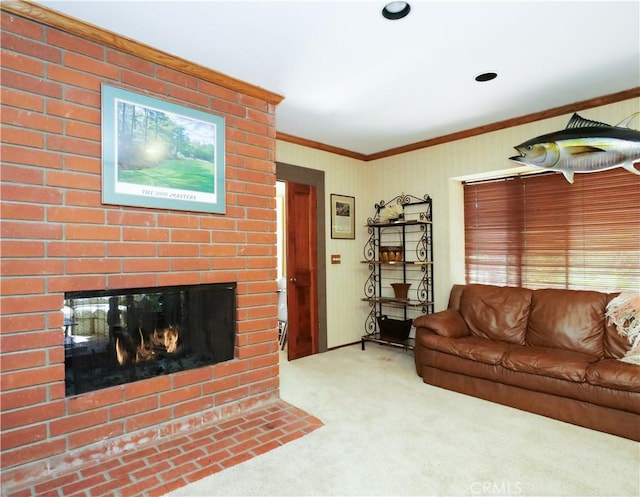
(161, 155)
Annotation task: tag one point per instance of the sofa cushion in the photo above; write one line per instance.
(448, 323)
(615, 374)
(547, 361)
(567, 319)
(455, 295)
(496, 313)
(473, 348)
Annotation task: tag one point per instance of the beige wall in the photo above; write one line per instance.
(435, 170)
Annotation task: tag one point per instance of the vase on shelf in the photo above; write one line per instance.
(401, 290)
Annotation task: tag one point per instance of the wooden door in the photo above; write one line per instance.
(302, 295)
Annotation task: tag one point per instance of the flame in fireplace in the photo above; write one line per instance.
(168, 338)
(163, 341)
(121, 353)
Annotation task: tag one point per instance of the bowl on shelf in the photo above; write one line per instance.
(391, 253)
(401, 290)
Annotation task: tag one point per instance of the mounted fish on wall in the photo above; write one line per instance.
(584, 146)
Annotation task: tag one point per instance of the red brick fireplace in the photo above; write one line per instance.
(58, 237)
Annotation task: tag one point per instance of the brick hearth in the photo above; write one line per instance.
(158, 468)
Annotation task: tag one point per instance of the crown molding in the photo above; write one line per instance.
(480, 130)
(54, 19)
(320, 146)
(509, 123)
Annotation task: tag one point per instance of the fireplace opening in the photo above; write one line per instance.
(113, 337)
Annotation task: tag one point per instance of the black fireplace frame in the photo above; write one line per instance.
(118, 336)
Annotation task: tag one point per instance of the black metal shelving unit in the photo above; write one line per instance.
(411, 235)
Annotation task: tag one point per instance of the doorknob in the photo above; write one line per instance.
(293, 280)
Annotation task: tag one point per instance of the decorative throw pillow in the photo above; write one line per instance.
(624, 312)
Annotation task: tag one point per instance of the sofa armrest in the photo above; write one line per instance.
(447, 323)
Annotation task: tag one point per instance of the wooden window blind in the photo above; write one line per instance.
(540, 231)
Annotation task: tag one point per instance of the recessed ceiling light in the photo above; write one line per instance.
(486, 76)
(396, 10)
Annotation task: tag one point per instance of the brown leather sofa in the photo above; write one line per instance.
(550, 352)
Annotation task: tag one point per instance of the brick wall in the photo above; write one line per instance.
(57, 237)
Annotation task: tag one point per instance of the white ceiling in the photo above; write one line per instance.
(354, 80)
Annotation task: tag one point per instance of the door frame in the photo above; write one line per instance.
(313, 177)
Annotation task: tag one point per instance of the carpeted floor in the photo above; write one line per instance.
(387, 433)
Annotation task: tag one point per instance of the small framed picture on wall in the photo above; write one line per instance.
(343, 215)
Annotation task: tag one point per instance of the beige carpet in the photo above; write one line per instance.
(387, 433)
